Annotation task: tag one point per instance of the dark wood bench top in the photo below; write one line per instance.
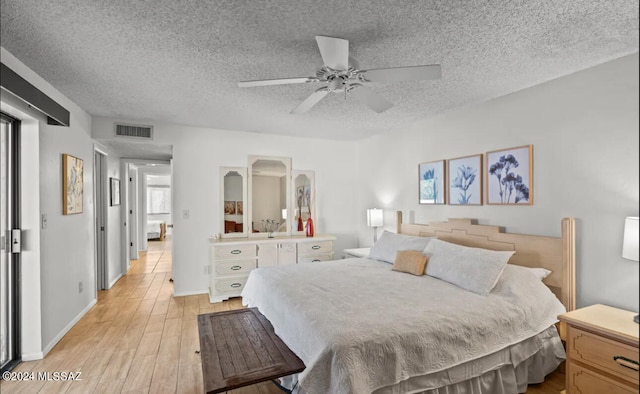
(239, 348)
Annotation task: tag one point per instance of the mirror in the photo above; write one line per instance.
(233, 186)
(303, 195)
(269, 188)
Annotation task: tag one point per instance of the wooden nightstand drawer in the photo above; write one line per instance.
(238, 251)
(585, 381)
(229, 285)
(311, 259)
(604, 354)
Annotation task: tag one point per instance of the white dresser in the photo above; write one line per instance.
(233, 259)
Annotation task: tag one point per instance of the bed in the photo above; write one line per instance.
(156, 230)
(360, 327)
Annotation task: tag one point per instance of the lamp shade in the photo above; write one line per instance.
(630, 242)
(374, 217)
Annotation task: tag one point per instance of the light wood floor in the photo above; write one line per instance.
(138, 338)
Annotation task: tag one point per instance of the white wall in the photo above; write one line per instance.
(66, 246)
(198, 153)
(584, 131)
(115, 222)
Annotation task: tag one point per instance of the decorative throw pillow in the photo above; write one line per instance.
(389, 244)
(411, 261)
(473, 269)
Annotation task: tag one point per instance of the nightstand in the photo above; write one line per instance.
(359, 252)
(602, 350)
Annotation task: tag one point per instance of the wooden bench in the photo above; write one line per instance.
(239, 348)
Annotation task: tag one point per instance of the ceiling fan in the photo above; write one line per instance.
(340, 76)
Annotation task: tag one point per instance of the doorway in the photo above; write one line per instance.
(101, 207)
(9, 242)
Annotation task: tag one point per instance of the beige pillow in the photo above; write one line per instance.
(411, 261)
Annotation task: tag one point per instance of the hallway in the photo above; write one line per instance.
(136, 339)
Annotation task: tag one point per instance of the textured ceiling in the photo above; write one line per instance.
(179, 61)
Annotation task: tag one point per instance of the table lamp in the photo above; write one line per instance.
(374, 219)
(630, 243)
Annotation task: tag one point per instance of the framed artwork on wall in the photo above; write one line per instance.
(229, 207)
(431, 177)
(72, 184)
(239, 208)
(465, 180)
(114, 190)
(509, 176)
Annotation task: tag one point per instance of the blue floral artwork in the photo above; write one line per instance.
(431, 182)
(465, 180)
(510, 174)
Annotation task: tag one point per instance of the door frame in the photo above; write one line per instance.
(14, 198)
(101, 208)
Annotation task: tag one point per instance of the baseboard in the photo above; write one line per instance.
(65, 330)
(32, 356)
(188, 293)
(113, 282)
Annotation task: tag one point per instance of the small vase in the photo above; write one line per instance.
(300, 224)
(309, 227)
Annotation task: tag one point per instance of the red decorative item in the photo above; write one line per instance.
(309, 227)
(300, 224)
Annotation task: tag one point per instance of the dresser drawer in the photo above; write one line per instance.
(604, 354)
(311, 259)
(586, 381)
(235, 252)
(321, 247)
(238, 267)
(229, 285)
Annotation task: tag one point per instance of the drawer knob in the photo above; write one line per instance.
(315, 247)
(236, 267)
(236, 251)
(236, 284)
(626, 362)
(313, 261)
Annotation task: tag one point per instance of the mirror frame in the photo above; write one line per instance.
(287, 164)
(312, 179)
(243, 173)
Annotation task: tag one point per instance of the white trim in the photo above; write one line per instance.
(189, 293)
(65, 330)
(113, 282)
(32, 356)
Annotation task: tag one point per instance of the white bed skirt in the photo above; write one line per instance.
(508, 371)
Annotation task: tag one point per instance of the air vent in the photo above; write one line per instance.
(134, 131)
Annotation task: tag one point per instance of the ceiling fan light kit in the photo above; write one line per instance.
(340, 77)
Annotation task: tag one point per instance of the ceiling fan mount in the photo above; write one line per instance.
(339, 76)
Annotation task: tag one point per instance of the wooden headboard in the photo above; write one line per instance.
(555, 254)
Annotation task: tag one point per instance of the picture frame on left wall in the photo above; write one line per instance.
(431, 186)
(72, 184)
(114, 191)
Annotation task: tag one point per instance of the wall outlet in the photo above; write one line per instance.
(44, 221)
(80, 287)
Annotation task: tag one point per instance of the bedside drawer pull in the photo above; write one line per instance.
(235, 284)
(316, 247)
(626, 362)
(313, 261)
(236, 251)
(236, 267)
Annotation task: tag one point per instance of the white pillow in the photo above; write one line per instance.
(540, 273)
(389, 243)
(473, 269)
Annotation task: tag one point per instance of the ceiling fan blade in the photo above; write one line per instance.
(334, 51)
(371, 99)
(399, 74)
(281, 81)
(310, 101)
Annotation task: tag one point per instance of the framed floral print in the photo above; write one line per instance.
(72, 184)
(431, 177)
(465, 180)
(509, 176)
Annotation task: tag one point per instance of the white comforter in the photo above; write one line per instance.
(359, 326)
